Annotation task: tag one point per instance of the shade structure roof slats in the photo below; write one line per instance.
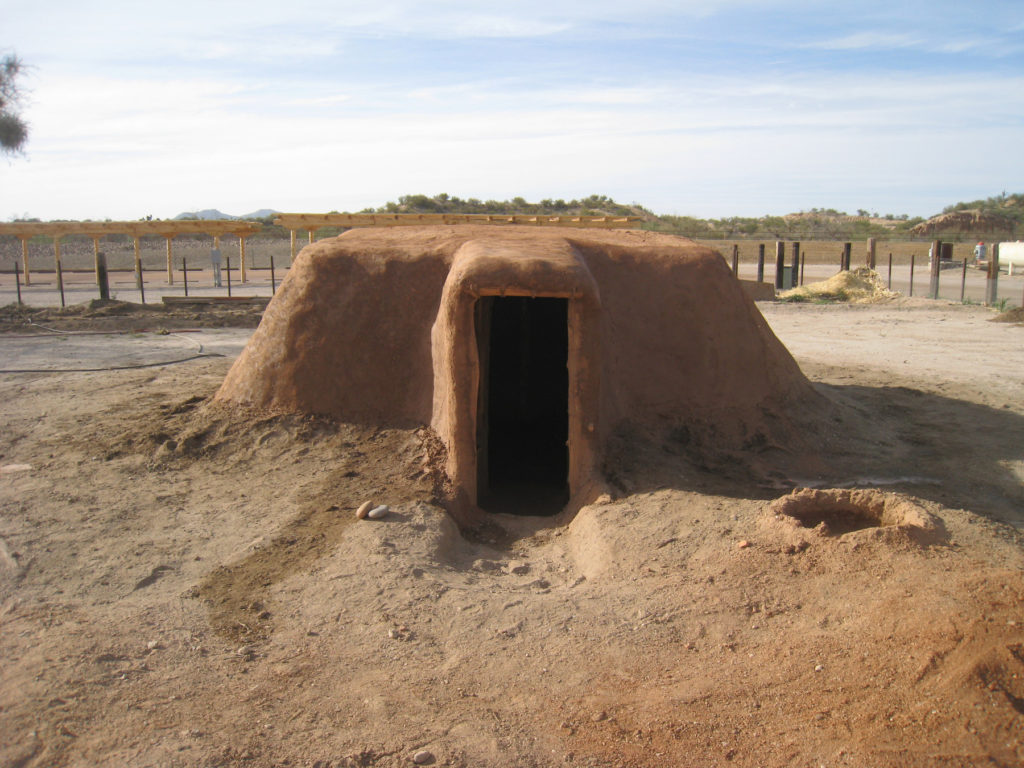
(24, 229)
(310, 221)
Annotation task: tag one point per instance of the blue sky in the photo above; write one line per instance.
(715, 108)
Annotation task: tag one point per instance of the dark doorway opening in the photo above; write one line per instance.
(523, 408)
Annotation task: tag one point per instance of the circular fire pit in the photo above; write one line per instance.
(839, 511)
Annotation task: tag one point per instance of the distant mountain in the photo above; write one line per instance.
(262, 213)
(212, 214)
(205, 214)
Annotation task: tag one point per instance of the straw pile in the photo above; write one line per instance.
(857, 286)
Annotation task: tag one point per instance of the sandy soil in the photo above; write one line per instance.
(185, 585)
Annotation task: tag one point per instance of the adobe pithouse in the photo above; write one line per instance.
(527, 350)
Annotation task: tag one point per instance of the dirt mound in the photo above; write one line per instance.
(403, 328)
(856, 286)
(1015, 315)
(112, 315)
(964, 222)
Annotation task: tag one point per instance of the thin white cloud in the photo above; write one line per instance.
(868, 39)
(479, 26)
(321, 101)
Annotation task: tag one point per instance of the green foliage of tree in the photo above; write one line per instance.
(594, 205)
(13, 129)
(817, 224)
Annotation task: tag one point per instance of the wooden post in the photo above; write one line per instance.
(795, 265)
(847, 250)
(17, 279)
(760, 263)
(216, 244)
(992, 278)
(96, 258)
(889, 283)
(870, 260)
(963, 280)
(911, 292)
(101, 275)
(933, 274)
(241, 256)
(227, 265)
(138, 266)
(803, 263)
(273, 283)
(735, 260)
(780, 263)
(170, 263)
(24, 259)
(184, 274)
(60, 271)
(311, 237)
(292, 231)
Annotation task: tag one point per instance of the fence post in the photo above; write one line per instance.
(963, 280)
(60, 271)
(847, 250)
(17, 279)
(273, 282)
(780, 263)
(101, 275)
(96, 258)
(911, 292)
(24, 259)
(803, 263)
(933, 275)
(215, 261)
(227, 264)
(992, 279)
(870, 261)
(138, 265)
(735, 260)
(170, 260)
(795, 262)
(241, 259)
(889, 283)
(184, 274)
(760, 263)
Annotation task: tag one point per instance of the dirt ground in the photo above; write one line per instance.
(100, 315)
(186, 585)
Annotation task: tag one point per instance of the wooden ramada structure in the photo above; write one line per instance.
(294, 222)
